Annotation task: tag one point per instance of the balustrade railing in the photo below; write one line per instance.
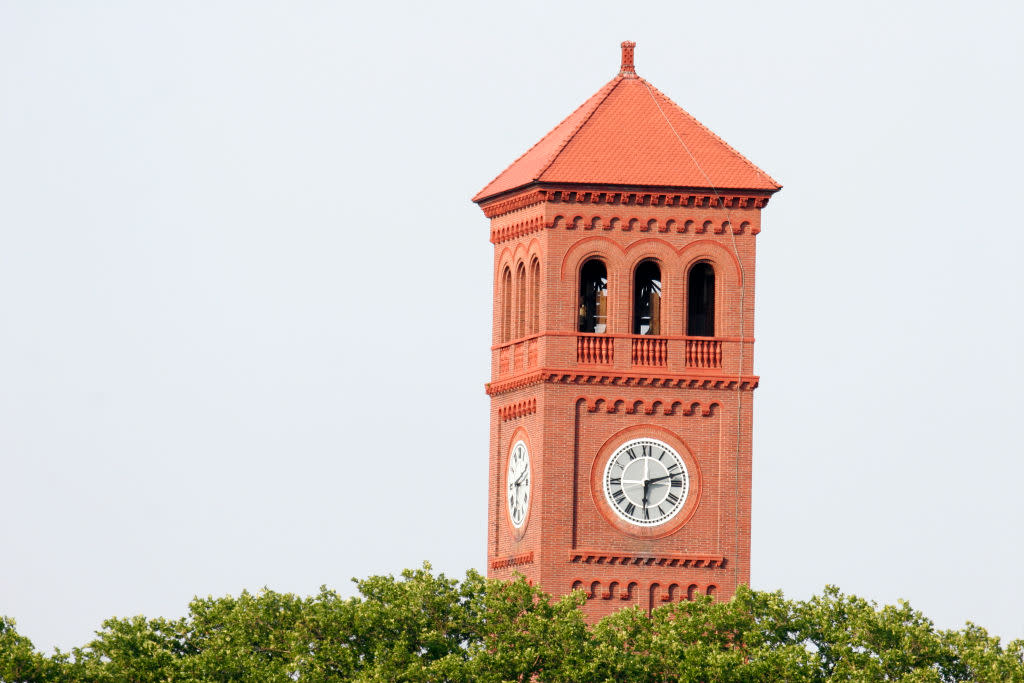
(595, 349)
(650, 351)
(687, 353)
(703, 353)
(517, 356)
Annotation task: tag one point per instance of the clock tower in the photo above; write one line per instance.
(622, 355)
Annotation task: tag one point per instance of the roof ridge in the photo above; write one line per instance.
(710, 132)
(614, 83)
(545, 136)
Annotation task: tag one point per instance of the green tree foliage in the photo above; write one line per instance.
(426, 627)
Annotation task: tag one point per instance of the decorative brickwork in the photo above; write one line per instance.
(514, 561)
(685, 561)
(518, 409)
(572, 383)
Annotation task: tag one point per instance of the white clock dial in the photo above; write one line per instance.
(518, 484)
(646, 482)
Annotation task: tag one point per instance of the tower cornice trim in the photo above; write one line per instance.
(612, 378)
(623, 221)
(626, 195)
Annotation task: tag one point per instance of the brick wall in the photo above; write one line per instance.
(572, 409)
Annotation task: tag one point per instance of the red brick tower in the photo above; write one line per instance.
(622, 358)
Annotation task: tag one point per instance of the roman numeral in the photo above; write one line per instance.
(619, 496)
(677, 483)
(615, 480)
(645, 450)
(672, 498)
(630, 509)
(674, 467)
(632, 455)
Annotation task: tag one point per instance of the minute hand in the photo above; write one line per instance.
(667, 476)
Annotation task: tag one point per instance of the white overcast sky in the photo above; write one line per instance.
(245, 299)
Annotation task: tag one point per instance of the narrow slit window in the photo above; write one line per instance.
(506, 305)
(700, 317)
(520, 301)
(535, 297)
(593, 297)
(647, 299)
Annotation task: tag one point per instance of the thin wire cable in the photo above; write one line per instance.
(743, 276)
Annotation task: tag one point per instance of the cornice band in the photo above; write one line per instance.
(621, 379)
(730, 199)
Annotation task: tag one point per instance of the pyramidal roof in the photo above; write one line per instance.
(629, 133)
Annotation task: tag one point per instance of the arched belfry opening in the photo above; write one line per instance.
(647, 298)
(700, 301)
(593, 302)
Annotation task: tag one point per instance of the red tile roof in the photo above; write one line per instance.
(629, 133)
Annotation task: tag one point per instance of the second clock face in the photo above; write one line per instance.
(646, 482)
(518, 484)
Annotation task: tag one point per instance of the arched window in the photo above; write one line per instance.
(520, 301)
(647, 299)
(593, 297)
(506, 305)
(700, 301)
(535, 297)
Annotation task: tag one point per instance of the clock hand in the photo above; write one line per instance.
(656, 479)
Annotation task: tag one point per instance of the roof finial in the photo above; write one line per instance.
(627, 58)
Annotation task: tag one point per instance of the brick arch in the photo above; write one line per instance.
(505, 259)
(652, 596)
(714, 253)
(535, 249)
(595, 246)
(650, 248)
(521, 252)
